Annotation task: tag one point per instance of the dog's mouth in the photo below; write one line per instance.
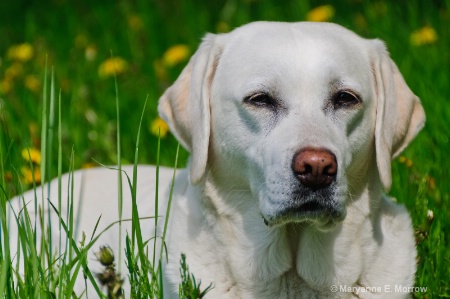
(320, 207)
(311, 207)
(311, 212)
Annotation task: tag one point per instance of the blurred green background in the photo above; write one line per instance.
(151, 41)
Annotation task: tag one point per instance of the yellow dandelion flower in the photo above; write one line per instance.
(409, 163)
(159, 127)
(88, 165)
(22, 52)
(32, 83)
(35, 155)
(27, 175)
(112, 66)
(423, 36)
(14, 70)
(135, 23)
(404, 160)
(321, 13)
(176, 54)
(6, 85)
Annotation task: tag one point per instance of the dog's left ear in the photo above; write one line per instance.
(185, 105)
(400, 115)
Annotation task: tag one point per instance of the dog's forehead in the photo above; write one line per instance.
(320, 51)
(264, 36)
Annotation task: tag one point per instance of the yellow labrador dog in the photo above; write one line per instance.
(291, 128)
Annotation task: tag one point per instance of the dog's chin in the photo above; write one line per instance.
(322, 209)
(323, 219)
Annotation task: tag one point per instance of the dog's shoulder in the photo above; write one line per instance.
(393, 250)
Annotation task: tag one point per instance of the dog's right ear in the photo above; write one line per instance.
(185, 104)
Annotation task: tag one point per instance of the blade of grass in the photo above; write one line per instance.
(96, 226)
(169, 204)
(44, 134)
(50, 133)
(68, 251)
(35, 259)
(73, 280)
(156, 195)
(130, 184)
(43, 164)
(133, 275)
(18, 256)
(119, 174)
(70, 204)
(3, 181)
(49, 152)
(80, 201)
(78, 252)
(4, 240)
(61, 261)
(5, 250)
(161, 284)
(135, 226)
(29, 251)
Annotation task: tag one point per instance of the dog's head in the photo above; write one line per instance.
(295, 113)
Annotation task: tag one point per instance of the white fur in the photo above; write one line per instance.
(240, 170)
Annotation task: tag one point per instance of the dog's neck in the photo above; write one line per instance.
(256, 253)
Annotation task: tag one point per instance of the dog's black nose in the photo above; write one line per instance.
(314, 167)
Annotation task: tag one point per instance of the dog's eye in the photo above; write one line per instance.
(260, 100)
(345, 99)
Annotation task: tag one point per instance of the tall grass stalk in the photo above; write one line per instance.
(49, 155)
(80, 254)
(43, 140)
(70, 213)
(33, 232)
(156, 197)
(119, 173)
(38, 272)
(169, 205)
(5, 258)
(60, 188)
(136, 227)
(4, 248)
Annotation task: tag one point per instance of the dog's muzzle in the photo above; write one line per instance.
(314, 197)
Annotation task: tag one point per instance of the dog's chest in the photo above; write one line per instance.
(288, 286)
(292, 286)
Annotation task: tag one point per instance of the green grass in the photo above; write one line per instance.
(64, 34)
(53, 275)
